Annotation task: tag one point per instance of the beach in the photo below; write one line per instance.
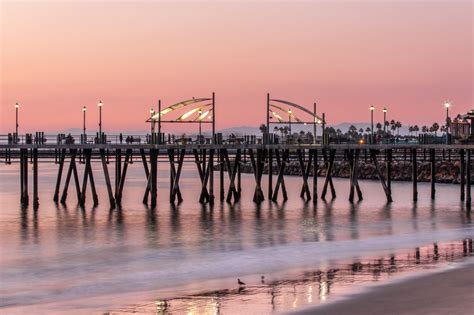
(445, 292)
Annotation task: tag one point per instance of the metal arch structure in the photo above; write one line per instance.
(272, 111)
(206, 108)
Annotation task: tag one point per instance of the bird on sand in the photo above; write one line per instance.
(240, 282)
(262, 279)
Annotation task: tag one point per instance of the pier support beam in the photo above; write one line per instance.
(123, 175)
(305, 170)
(175, 173)
(414, 174)
(204, 174)
(222, 153)
(329, 166)
(153, 176)
(147, 175)
(281, 163)
(118, 170)
(315, 176)
(463, 173)
(468, 179)
(270, 174)
(35, 179)
(258, 163)
(389, 169)
(88, 175)
(232, 171)
(71, 171)
(107, 179)
(60, 174)
(388, 193)
(353, 157)
(433, 173)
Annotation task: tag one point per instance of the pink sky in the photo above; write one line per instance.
(346, 55)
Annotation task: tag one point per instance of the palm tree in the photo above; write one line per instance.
(416, 129)
(262, 128)
(435, 127)
(398, 125)
(424, 129)
(410, 130)
(275, 129)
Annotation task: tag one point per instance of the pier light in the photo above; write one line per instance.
(200, 120)
(372, 108)
(84, 109)
(100, 121)
(384, 120)
(447, 104)
(17, 106)
(289, 120)
(384, 110)
(152, 123)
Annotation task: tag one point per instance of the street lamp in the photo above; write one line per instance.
(289, 120)
(372, 108)
(84, 109)
(100, 121)
(199, 118)
(384, 119)
(447, 105)
(17, 106)
(152, 124)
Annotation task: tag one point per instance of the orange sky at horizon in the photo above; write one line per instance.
(345, 55)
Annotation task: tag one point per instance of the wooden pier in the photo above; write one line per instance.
(224, 158)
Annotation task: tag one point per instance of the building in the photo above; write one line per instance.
(462, 127)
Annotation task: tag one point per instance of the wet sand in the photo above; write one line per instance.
(447, 292)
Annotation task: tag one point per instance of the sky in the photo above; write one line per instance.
(58, 56)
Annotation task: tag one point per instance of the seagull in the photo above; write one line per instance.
(240, 282)
(262, 279)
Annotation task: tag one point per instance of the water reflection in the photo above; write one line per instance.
(313, 286)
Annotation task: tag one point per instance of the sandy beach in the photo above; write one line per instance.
(446, 292)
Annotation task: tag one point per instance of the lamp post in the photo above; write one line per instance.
(152, 124)
(100, 121)
(372, 108)
(199, 118)
(17, 106)
(84, 109)
(384, 119)
(447, 105)
(289, 120)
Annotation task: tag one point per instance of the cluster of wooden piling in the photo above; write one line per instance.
(228, 159)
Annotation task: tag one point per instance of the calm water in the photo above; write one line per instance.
(65, 258)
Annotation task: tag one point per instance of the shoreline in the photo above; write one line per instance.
(442, 291)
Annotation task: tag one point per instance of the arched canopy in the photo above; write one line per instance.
(278, 112)
(196, 114)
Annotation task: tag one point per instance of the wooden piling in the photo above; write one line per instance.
(107, 179)
(433, 173)
(60, 173)
(315, 176)
(270, 174)
(389, 170)
(153, 173)
(35, 179)
(414, 174)
(468, 179)
(463, 174)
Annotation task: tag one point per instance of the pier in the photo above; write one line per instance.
(268, 155)
(223, 159)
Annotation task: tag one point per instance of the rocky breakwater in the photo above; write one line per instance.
(446, 172)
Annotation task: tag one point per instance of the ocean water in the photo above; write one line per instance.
(68, 259)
